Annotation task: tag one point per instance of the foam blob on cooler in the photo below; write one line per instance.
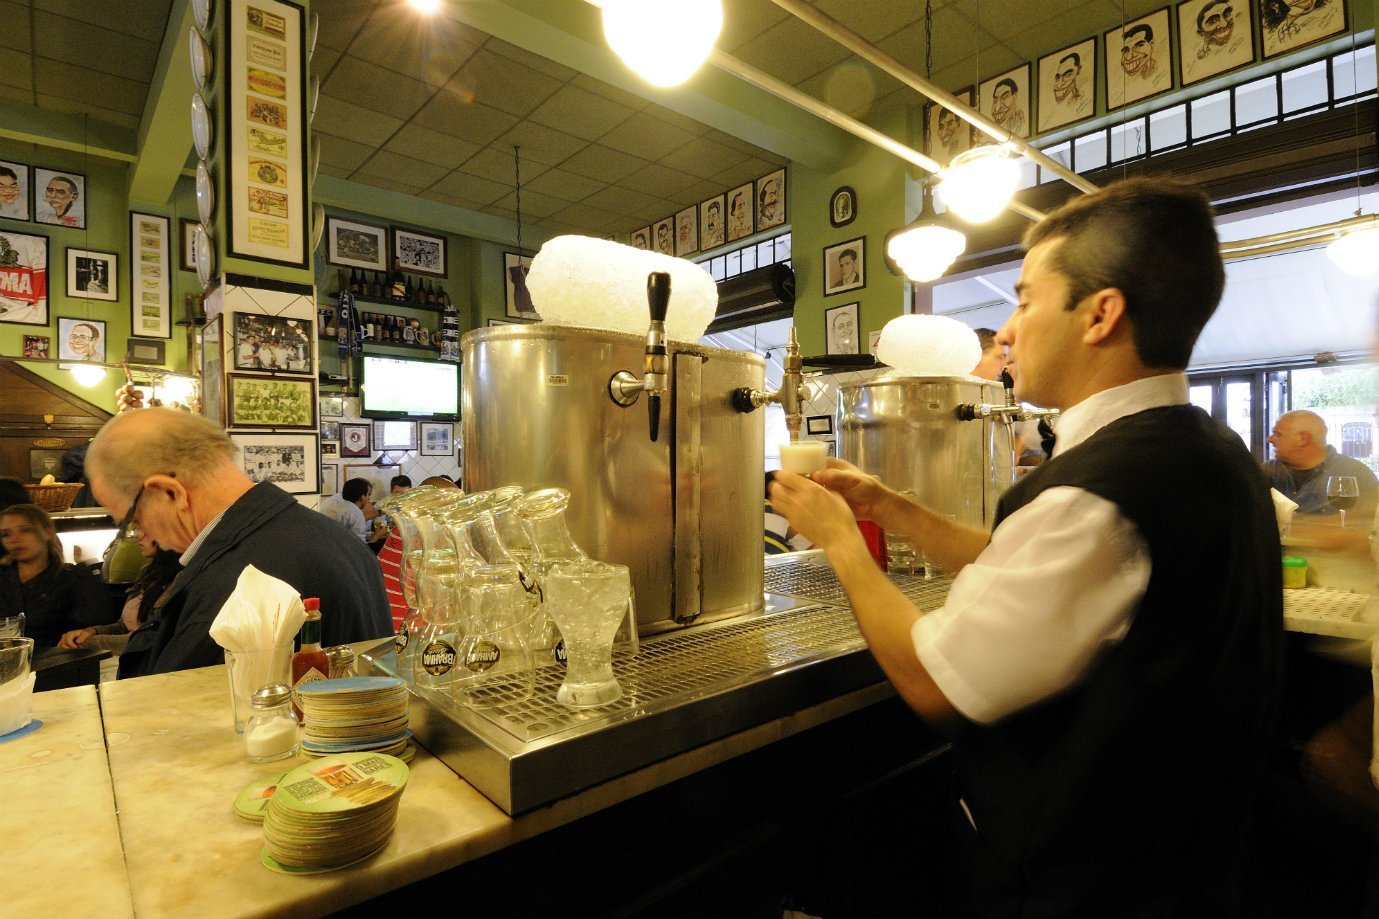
(928, 346)
(600, 284)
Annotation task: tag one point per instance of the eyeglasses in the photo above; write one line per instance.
(128, 528)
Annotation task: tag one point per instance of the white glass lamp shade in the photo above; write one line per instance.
(425, 7)
(925, 252)
(663, 41)
(979, 183)
(86, 375)
(1356, 252)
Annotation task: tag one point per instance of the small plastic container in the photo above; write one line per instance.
(271, 732)
(1294, 572)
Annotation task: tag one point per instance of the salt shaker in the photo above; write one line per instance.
(271, 733)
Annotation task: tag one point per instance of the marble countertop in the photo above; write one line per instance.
(62, 852)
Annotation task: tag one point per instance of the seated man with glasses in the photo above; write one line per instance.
(178, 477)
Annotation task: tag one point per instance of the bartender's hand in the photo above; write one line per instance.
(823, 516)
(863, 493)
(74, 639)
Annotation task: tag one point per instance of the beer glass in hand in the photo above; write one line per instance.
(1343, 491)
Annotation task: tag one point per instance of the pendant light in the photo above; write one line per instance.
(980, 182)
(517, 274)
(926, 248)
(663, 41)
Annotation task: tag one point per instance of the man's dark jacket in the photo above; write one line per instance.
(268, 529)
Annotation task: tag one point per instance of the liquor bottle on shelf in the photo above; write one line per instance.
(398, 288)
(398, 322)
(354, 281)
(408, 294)
(428, 295)
(376, 286)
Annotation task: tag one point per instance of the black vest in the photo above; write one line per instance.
(1129, 794)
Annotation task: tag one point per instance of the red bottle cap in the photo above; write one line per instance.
(311, 603)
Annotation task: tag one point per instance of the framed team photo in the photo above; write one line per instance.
(290, 461)
(270, 402)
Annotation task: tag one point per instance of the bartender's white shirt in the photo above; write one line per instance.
(1060, 580)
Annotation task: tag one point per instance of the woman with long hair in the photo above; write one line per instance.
(141, 600)
(53, 597)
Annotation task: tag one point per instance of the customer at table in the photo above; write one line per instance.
(349, 507)
(1107, 657)
(33, 580)
(1303, 461)
(178, 477)
(149, 587)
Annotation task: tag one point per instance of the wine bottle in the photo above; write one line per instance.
(398, 286)
(430, 294)
(397, 329)
(408, 294)
(354, 281)
(376, 288)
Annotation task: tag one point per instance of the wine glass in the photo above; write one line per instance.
(1343, 491)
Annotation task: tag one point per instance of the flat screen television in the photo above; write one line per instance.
(395, 386)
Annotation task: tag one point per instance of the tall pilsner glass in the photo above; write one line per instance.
(587, 599)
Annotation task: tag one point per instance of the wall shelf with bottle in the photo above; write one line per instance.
(396, 290)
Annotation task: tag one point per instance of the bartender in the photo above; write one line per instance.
(1107, 657)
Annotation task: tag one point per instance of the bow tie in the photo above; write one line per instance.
(1046, 437)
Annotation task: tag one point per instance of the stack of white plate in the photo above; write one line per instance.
(354, 714)
(332, 812)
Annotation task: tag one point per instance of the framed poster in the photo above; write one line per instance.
(354, 439)
(1288, 26)
(146, 350)
(948, 134)
(842, 207)
(771, 200)
(687, 231)
(81, 340)
(16, 191)
(270, 402)
(840, 330)
(330, 430)
(330, 479)
(741, 213)
(289, 461)
(820, 425)
(92, 275)
(187, 231)
(1214, 36)
(419, 252)
(330, 449)
(273, 343)
(212, 370)
(1067, 93)
(354, 244)
(516, 305)
(45, 462)
(437, 438)
(1005, 100)
(1137, 61)
(711, 223)
(150, 247)
(64, 198)
(394, 435)
(332, 407)
(845, 266)
(38, 346)
(23, 278)
(265, 136)
(380, 477)
(665, 237)
(641, 238)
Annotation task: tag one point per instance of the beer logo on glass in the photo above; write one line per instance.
(438, 658)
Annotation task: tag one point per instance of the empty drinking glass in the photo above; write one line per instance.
(588, 599)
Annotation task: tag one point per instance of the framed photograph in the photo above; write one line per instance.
(664, 242)
(354, 439)
(81, 340)
(37, 346)
(771, 200)
(92, 275)
(213, 369)
(352, 244)
(330, 450)
(419, 253)
(273, 343)
(271, 402)
(687, 231)
(332, 407)
(146, 350)
(948, 134)
(741, 213)
(150, 247)
(268, 216)
(711, 223)
(45, 462)
(845, 267)
(842, 207)
(1214, 36)
(187, 256)
(380, 476)
(60, 198)
(840, 330)
(23, 278)
(437, 438)
(1137, 60)
(516, 306)
(641, 238)
(1005, 100)
(820, 424)
(1067, 91)
(289, 461)
(1288, 26)
(16, 191)
(330, 479)
(395, 435)
(330, 430)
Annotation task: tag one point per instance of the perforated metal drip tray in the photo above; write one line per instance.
(684, 689)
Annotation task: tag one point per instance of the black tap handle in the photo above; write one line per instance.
(1008, 382)
(653, 406)
(658, 295)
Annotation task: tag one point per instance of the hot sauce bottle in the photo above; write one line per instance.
(310, 663)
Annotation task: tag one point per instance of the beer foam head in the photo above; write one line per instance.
(926, 346)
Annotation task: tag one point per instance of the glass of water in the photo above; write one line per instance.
(588, 601)
(12, 626)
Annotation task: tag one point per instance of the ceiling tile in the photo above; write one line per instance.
(597, 161)
(581, 113)
(92, 90)
(335, 171)
(431, 146)
(345, 119)
(77, 107)
(404, 169)
(792, 51)
(875, 19)
(541, 144)
(498, 165)
(625, 200)
(646, 137)
(852, 87)
(324, 60)
(676, 120)
(17, 33)
(746, 19)
(504, 83)
(471, 188)
(590, 217)
(376, 88)
(428, 50)
(471, 121)
(598, 87)
(534, 61)
(432, 195)
(658, 180)
(15, 94)
(346, 18)
(702, 158)
(102, 50)
(534, 205)
(146, 19)
(385, 182)
(564, 185)
(16, 69)
(343, 153)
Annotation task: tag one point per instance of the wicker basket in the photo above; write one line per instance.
(54, 497)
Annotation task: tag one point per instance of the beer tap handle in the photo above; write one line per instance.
(1008, 382)
(654, 366)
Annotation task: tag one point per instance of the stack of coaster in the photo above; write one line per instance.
(355, 714)
(332, 812)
